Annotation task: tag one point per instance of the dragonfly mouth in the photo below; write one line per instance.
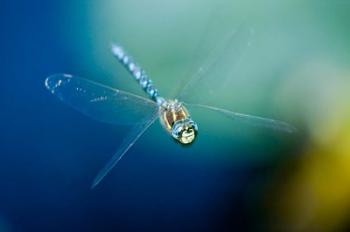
(185, 131)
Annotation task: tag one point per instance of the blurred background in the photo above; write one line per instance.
(287, 60)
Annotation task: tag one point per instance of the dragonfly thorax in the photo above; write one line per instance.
(177, 121)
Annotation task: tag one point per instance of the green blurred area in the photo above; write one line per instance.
(167, 39)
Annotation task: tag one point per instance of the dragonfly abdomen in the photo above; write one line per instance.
(136, 71)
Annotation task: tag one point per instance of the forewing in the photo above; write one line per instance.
(100, 102)
(213, 74)
(250, 119)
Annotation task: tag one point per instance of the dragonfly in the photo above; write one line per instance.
(115, 106)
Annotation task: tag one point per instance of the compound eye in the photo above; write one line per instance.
(185, 131)
(187, 135)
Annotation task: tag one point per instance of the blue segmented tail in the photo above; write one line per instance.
(136, 71)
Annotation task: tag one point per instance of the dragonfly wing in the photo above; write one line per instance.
(100, 102)
(254, 120)
(214, 73)
(128, 142)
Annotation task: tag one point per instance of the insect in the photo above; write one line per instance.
(115, 106)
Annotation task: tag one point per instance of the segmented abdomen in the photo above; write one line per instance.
(136, 71)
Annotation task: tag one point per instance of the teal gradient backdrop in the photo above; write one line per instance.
(289, 61)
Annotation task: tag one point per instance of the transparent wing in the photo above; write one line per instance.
(100, 102)
(215, 72)
(128, 142)
(246, 118)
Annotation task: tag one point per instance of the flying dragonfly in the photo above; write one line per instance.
(115, 106)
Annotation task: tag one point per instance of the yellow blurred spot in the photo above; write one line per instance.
(315, 196)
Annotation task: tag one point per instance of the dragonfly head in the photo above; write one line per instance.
(184, 130)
